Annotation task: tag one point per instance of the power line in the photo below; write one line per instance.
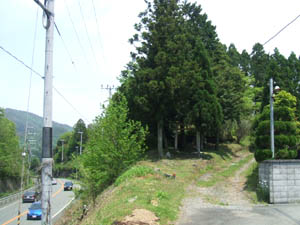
(98, 31)
(65, 46)
(77, 36)
(37, 73)
(91, 46)
(20, 61)
(70, 104)
(281, 30)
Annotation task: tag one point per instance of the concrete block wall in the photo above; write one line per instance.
(282, 179)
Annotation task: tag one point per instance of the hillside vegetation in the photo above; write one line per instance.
(161, 185)
(182, 91)
(35, 125)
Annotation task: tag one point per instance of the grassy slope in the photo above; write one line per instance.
(158, 193)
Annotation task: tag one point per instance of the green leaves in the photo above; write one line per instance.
(285, 129)
(115, 143)
(10, 153)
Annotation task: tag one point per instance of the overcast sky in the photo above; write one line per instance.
(99, 55)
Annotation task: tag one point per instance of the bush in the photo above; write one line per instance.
(286, 154)
(115, 144)
(286, 129)
(136, 171)
(262, 154)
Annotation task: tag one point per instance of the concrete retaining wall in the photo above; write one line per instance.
(282, 179)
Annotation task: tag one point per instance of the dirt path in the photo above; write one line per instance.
(234, 189)
(230, 192)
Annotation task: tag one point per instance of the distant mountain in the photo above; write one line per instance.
(35, 127)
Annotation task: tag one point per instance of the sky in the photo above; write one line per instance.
(92, 48)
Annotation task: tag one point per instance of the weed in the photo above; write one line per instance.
(162, 195)
(136, 171)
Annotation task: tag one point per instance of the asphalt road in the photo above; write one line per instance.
(285, 214)
(60, 199)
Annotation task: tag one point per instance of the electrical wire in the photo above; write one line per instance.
(281, 30)
(20, 61)
(77, 36)
(87, 34)
(38, 74)
(70, 104)
(98, 31)
(65, 46)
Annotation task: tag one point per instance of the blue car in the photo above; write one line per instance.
(35, 211)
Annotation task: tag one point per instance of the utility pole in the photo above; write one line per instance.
(47, 159)
(80, 132)
(272, 118)
(76, 163)
(62, 150)
(109, 88)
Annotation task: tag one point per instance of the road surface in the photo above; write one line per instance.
(60, 199)
(277, 214)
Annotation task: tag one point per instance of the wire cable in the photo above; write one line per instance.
(20, 61)
(38, 74)
(65, 46)
(77, 36)
(281, 30)
(70, 104)
(98, 31)
(87, 34)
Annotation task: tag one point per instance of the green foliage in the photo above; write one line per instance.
(10, 153)
(75, 140)
(262, 154)
(35, 123)
(135, 171)
(115, 143)
(285, 129)
(170, 78)
(162, 195)
(286, 154)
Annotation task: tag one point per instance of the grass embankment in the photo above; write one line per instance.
(146, 186)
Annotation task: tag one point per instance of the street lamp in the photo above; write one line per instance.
(272, 92)
(80, 132)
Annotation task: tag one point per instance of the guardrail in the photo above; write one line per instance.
(11, 198)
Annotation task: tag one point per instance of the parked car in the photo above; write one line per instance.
(35, 211)
(68, 185)
(54, 182)
(30, 196)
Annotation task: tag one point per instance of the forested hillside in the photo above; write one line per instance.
(187, 86)
(10, 152)
(35, 125)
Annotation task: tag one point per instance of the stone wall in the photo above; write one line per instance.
(282, 179)
(9, 185)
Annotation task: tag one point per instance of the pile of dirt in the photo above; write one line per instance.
(139, 217)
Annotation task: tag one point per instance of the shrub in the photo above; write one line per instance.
(136, 171)
(286, 154)
(262, 154)
(286, 129)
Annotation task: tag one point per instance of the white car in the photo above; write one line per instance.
(54, 182)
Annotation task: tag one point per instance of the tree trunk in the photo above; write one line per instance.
(218, 140)
(201, 141)
(183, 140)
(166, 141)
(198, 144)
(176, 139)
(160, 138)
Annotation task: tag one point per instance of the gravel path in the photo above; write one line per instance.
(226, 194)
